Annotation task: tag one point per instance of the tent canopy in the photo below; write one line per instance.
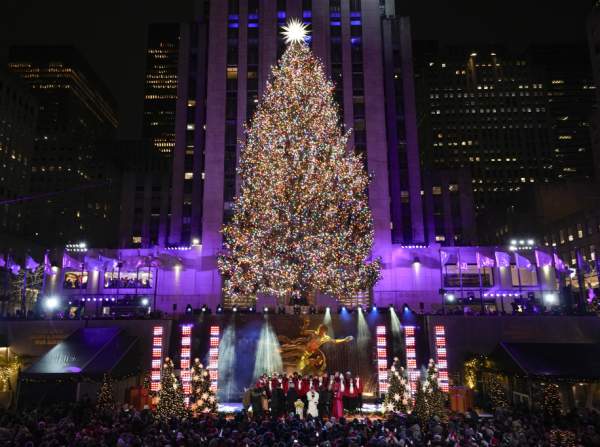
(577, 362)
(88, 353)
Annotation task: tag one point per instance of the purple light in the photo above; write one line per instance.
(234, 25)
(355, 14)
(252, 25)
(335, 14)
(306, 14)
(336, 23)
(355, 23)
(281, 14)
(355, 41)
(253, 16)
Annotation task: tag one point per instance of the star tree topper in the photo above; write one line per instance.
(294, 32)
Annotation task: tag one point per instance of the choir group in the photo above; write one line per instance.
(317, 396)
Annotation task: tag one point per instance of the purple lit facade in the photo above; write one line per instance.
(224, 60)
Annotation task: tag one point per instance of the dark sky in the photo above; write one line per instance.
(112, 33)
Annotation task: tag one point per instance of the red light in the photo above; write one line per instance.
(214, 330)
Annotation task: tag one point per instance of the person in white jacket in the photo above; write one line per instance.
(313, 401)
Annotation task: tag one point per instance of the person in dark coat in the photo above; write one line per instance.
(257, 401)
(324, 397)
(290, 399)
(277, 401)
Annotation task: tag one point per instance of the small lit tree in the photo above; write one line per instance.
(496, 392)
(398, 397)
(106, 399)
(435, 397)
(204, 397)
(551, 400)
(170, 396)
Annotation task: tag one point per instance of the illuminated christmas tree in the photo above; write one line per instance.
(435, 397)
(301, 222)
(398, 397)
(204, 397)
(170, 396)
(551, 400)
(106, 399)
(496, 392)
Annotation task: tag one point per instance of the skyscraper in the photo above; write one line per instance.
(70, 174)
(224, 58)
(486, 111)
(18, 118)
(160, 88)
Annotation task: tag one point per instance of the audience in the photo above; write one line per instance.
(78, 425)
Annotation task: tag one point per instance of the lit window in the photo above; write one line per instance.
(453, 187)
(191, 102)
(188, 175)
(440, 238)
(191, 126)
(436, 190)
(136, 239)
(232, 72)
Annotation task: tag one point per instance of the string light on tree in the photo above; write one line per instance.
(301, 223)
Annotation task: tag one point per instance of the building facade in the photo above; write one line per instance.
(70, 173)
(366, 50)
(18, 118)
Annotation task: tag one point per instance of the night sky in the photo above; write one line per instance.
(112, 33)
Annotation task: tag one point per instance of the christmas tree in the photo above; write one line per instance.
(106, 399)
(170, 396)
(496, 392)
(421, 409)
(301, 222)
(551, 400)
(398, 394)
(204, 396)
(434, 396)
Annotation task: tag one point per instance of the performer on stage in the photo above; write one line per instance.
(291, 397)
(277, 400)
(313, 401)
(337, 390)
(324, 396)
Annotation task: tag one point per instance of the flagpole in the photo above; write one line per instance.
(460, 281)
(581, 281)
(442, 285)
(24, 293)
(480, 288)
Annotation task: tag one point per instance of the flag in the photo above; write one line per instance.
(582, 265)
(47, 264)
(444, 256)
(484, 261)
(522, 262)
(69, 262)
(30, 263)
(559, 264)
(542, 259)
(502, 259)
(109, 263)
(13, 266)
(92, 263)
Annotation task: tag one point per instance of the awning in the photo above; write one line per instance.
(88, 353)
(576, 362)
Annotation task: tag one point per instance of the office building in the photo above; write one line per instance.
(71, 176)
(18, 118)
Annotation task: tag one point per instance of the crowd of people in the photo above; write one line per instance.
(79, 425)
(318, 396)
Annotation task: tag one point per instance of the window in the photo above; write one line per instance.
(436, 190)
(453, 187)
(136, 239)
(440, 238)
(188, 175)
(75, 280)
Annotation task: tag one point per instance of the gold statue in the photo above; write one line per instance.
(304, 354)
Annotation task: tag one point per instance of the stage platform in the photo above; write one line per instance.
(236, 407)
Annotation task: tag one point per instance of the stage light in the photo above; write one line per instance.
(450, 297)
(189, 309)
(195, 241)
(416, 261)
(405, 308)
(266, 310)
(374, 309)
(144, 302)
(234, 309)
(54, 269)
(51, 303)
(328, 309)
(550, 299)
(204, 308)
(219, 309)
